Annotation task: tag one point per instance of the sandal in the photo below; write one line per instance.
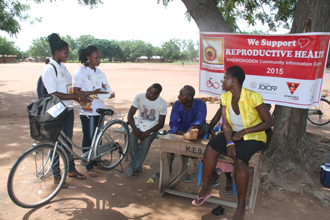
(92, 173)
(64, 186)
(190, 178)
(228, 190)
(78, 175)
(194, 202)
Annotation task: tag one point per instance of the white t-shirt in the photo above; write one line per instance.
(62, 83)
(82, 79)
(236, 120)
(149, 110)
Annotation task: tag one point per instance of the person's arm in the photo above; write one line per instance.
(228, 132)
(174, 119)
(130, 119)
(215, 120)
(266, 122)
(157, 127)
(78, 97)
(96, 91)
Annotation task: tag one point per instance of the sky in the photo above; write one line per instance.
(113, 20)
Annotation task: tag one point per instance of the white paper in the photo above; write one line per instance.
(100, 82)
(56, 110)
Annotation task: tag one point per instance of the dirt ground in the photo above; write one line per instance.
(113, 195)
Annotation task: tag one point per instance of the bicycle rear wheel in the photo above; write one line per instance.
(112, 144)
(30, 181)
(320, 115)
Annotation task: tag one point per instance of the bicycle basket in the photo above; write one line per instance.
(46, 117)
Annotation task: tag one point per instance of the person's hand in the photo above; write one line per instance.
(112, 95)
(239, 135)
(98, 91)
(144, 135)
(231, 151)
(84, 98)
(137, 132)
(212, 132)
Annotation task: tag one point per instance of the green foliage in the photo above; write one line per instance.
(40, 48)
(170, 50)
(91, 3)
(108, 48)
(80, 40)
(8, 48)
(11, 13)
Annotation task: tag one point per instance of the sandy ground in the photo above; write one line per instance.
(112, 195)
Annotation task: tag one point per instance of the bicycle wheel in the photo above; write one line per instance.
(320, 115)
(30, 181)
(112, 144)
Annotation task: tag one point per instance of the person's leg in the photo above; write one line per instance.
(133, 146)
(68, 130)
(242, 180)
(88, 127)
(142, 152)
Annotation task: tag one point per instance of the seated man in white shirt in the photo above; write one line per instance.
(143, 129)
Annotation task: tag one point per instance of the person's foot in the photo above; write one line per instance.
(58, 180)
(92, 173)
(77, 175)
(240, 210)
(191, 134)
(202, 196)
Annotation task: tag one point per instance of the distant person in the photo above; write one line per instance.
(146, 135)
(188, 116)
(82, 83)
(47, 61)
(60, 85)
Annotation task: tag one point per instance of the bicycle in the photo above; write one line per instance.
(320, 115)
(30, 181)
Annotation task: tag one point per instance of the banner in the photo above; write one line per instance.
(285, 69)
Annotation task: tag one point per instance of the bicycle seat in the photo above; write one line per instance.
(105, 111)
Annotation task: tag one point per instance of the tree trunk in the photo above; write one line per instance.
(289, 158)
(206, 15)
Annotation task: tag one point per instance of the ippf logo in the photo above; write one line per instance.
(267, 87)
(292, 86)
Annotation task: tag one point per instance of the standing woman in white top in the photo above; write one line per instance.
(60, 85)
(82, 82)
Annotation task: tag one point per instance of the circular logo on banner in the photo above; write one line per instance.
(253, 85)
(210, 53)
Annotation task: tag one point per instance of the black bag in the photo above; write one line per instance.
(41, 89)
(43, 126)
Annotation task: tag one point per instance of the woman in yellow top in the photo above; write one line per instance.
(245, 119)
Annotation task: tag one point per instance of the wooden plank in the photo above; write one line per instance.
(211, 200)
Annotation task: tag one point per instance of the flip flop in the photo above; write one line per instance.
(215, 183)
(78, 176)
(203, 199)
(92, 174)
(136, 174)
(190, 178)
(228, 190)
(65, 186)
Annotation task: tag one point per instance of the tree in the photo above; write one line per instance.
(80, 40)
(8, 48)
(108, 49)
(40, 48)
(170, 50)
(191, 51)
(288, 153)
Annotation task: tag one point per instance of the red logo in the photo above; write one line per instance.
(292, 86)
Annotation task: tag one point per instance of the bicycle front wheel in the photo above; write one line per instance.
(320, 115)
(112, 144)
(30, 181)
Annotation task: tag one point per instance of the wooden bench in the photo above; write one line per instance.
(172, 143)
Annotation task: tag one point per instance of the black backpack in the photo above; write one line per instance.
(45, 125)
(41, 89)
